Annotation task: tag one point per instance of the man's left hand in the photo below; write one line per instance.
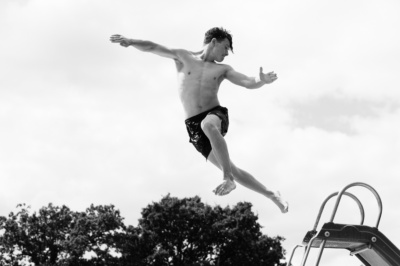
(268, 77)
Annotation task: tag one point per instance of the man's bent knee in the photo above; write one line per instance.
(210, 124)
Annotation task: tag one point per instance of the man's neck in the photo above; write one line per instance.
(206, 54)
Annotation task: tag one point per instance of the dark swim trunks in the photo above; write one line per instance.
(196, 134)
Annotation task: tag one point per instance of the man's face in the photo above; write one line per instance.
(221, 49)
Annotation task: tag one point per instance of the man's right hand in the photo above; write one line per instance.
(116, 38)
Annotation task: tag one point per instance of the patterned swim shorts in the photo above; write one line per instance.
(196, 134)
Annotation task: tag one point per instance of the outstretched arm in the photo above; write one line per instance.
(250, 82)
(145, 46)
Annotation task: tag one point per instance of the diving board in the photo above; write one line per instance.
(367, 243)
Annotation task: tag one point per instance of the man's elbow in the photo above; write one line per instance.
(250, 86)
(244, 83)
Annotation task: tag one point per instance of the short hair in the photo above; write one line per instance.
(219, 34)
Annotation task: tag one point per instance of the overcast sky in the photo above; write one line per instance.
(86, 121)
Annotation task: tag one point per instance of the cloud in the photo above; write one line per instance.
(87, 121)
(338, 112)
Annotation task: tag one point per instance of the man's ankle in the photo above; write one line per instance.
(229, 178)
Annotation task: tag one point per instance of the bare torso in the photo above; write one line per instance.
(198, 83)
(199, 76)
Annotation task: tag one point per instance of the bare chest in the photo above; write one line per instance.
(201, 73)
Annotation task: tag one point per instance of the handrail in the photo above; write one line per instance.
(362, 185)
(292, 254)
(360, 206)
(307, 251)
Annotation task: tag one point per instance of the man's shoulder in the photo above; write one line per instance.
(225, 67)
(184, 52)
(184, 56)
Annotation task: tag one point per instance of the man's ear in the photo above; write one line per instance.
(213, 41)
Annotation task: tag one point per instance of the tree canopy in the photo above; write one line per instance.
(171, 232)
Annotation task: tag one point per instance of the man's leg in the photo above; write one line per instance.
(219, 156)
(211, 126)
(247, 180)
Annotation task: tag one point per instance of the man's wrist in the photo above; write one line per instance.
(129, 41)
(259, 80)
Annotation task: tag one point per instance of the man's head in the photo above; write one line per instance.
(219, 41)
(219, 34)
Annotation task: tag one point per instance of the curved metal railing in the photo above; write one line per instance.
(378, 198)
(360, 206)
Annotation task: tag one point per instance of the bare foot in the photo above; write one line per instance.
(227, 186)
(282, 204)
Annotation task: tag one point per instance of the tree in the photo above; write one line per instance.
(171, 232)
(188, 232)
(241, 241)
(181, 230)
(97, 231)
(58, 236)
(36, 237)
